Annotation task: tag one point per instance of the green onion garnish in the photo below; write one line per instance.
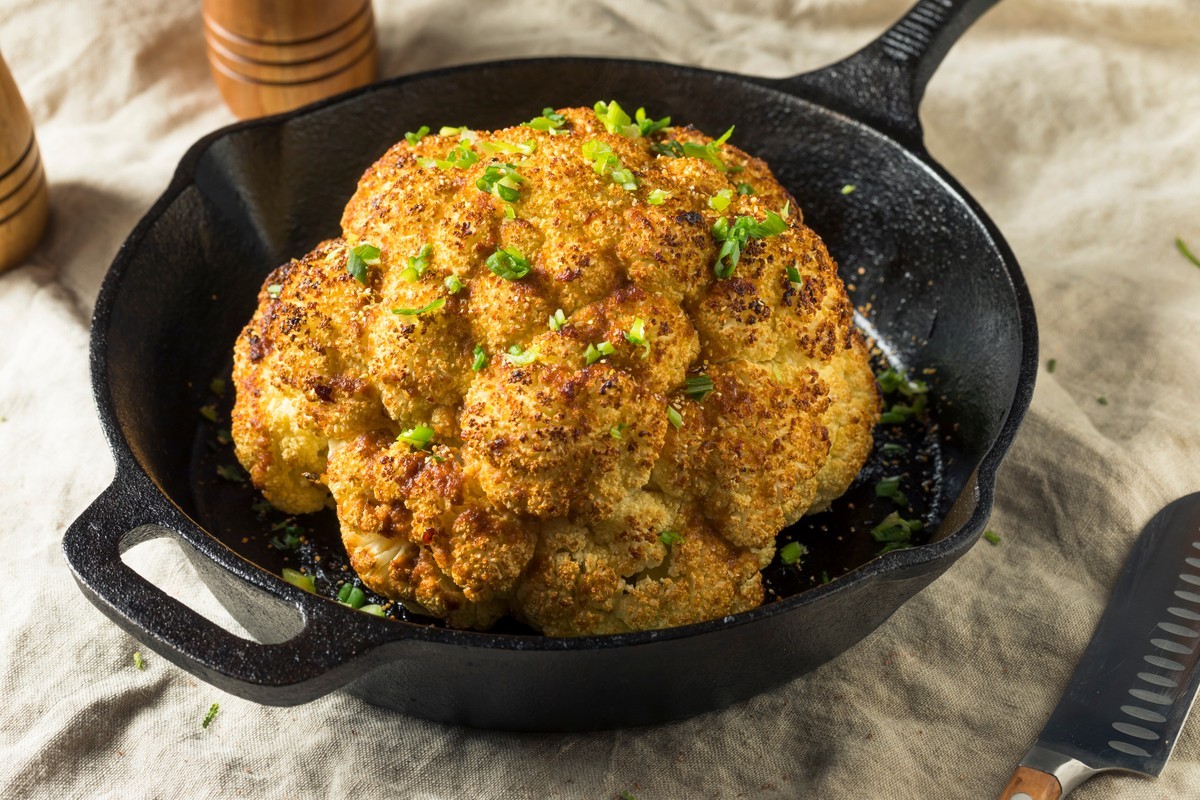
(656, 197)
(217, 386)
(1102, 400)
(637, 335)
(893, 449)
(736, 236)
(615, 119)
(209, 412)
(211, 715)
(351, 595)
(137, 660)
(595, 352)
(519, 356)
(674, 417)
(417, 264)
(891, 380)
(453, 284)
(274, 290)
(460, 156)
(480, 358)
(360, 258)
(791, 552)
(890, 487)
(557, 320)
(508, 263)
(698, 387)
(1051, 365)
(992, 537)
(605, 162)
(705, 152)
(616, 430)
(418, 438)
(1183, 249)
(501, 180)
(525, 148)
(669, 538)
(231, 474)
(721, 200)
(849, 188)
(745, 188)
(373, 608)
(549, 121)
(794, 277)
(412, 137)
(301, 581)
(432, 305)
(895, 532)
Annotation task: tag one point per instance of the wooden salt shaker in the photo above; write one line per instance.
(24, 201)
(269, 56)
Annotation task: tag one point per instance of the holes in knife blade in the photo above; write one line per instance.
(1165, 663)
(1136, 731)
(1151, 697)
(1191, 597)
(1183, 613)
(1158, 680)
(1129, 749)
(1144, 714)
(1192, 579)
(1192, 562)
(1171, 647)
(1196, 545)
(1178, 630)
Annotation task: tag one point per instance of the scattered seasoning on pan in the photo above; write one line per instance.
(1188, 254)
(745, 188)
(992, 537)
(710, 152)
(298, 579)
(231, 474)
(674, 417)
(412, 137)
(418, 437)
(549, 121)
(417, 264)
(636, 335)
(670, 537)
(849, 188)
(895, 532)
(137, 660)
(274, 290)
(605, 162)
(721, 200)
(557, 320)
(217, 386)
(508, 263)
(211, 715)
(698, 387)
(480, 358)
(595, 352)
(502, 180)
(453, 284)
(519, 356)
(1102, 400)
(792, 552)
(432, 305)
(361, 257)
(351, 595)
(889, 487)
(616, 430)
(656, 197)
(209, 412)
(736, 236)
(1051, 365)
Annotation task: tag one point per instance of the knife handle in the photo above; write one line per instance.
(1031, 784)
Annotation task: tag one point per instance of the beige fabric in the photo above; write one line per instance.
(1076, 123)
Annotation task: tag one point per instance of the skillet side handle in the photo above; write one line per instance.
(882, 84)
(288, 673)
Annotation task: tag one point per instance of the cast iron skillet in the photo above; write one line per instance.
(944, 290)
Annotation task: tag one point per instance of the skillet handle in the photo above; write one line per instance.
(286, 673)
(882, 84)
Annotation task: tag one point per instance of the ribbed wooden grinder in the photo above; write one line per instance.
(24, 201)
(269, 56)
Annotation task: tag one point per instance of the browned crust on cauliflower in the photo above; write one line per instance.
(548, 484)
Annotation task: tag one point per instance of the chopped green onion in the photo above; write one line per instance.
(217, 386)
(721, 200)
(794, 277)
(412, 137)
(211, 715)
(646, 125)
(890, 487)
(1102, 400)
(792, 552)
(519, 356)
(895, 532)
(417, 264)
(1183, 249)
(373, 608)
(274, 290)
(616, 430)
(992, 537)
(460, 156)
(1051, 365)
(501, 180)
(605, 162)
(670, 537)
(301, 581)
(508, 263)
(224, 436)
(902, 412)
(745, 188)
(893, 449)
(525, 148)
(557, 320)
(705, 152)
(698, 387)
(656, 197)
(209, 412)
(418, 438)
(674, 417)
(351, 595)
(615, 119)
(736, 236)
(262, 507)
(824, 577)
(637, 336)
(453, 284)
(137, 660)
(360, 258)
(480, 358)
(231, 474)
(891, 380)
(849, 188)
(432, 305)
(549, 121)
(461, 131)
(595, 352)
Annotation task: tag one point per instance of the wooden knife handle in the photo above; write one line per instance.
(1031, 784)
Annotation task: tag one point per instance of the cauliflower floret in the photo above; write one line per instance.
(573, 467)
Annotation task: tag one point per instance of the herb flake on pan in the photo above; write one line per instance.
(209, 412)
(792, 552)
(417, 437)
(698, 387)
(508, 263)
(992, 537)
(432, 305)
(893, 449)
(669, 538)
(412, 137)
(889, 487)
(351, 595)
(231, 474)
(849, 188)
(137, 660)
(1185, 252)
(298, 579)
(895, 532)
(1051, 365)
(735, 236)
(361, 256)
(211, 715)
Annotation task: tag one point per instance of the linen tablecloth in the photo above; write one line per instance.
(1076, 124)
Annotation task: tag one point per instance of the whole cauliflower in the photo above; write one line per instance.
(521, 382)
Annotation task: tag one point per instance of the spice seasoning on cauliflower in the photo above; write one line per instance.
(699, 386)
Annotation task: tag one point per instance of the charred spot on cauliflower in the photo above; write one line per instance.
(496, 399)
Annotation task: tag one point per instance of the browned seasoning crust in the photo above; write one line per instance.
(548, 484)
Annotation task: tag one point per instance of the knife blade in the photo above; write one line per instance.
(1131, 692)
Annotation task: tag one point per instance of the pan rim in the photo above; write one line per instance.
(896, 563)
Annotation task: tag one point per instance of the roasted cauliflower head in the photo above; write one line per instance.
(581, 373)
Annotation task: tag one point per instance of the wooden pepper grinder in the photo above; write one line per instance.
(269, 56)
(24, 201)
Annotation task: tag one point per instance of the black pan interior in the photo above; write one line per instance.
(920, 263)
